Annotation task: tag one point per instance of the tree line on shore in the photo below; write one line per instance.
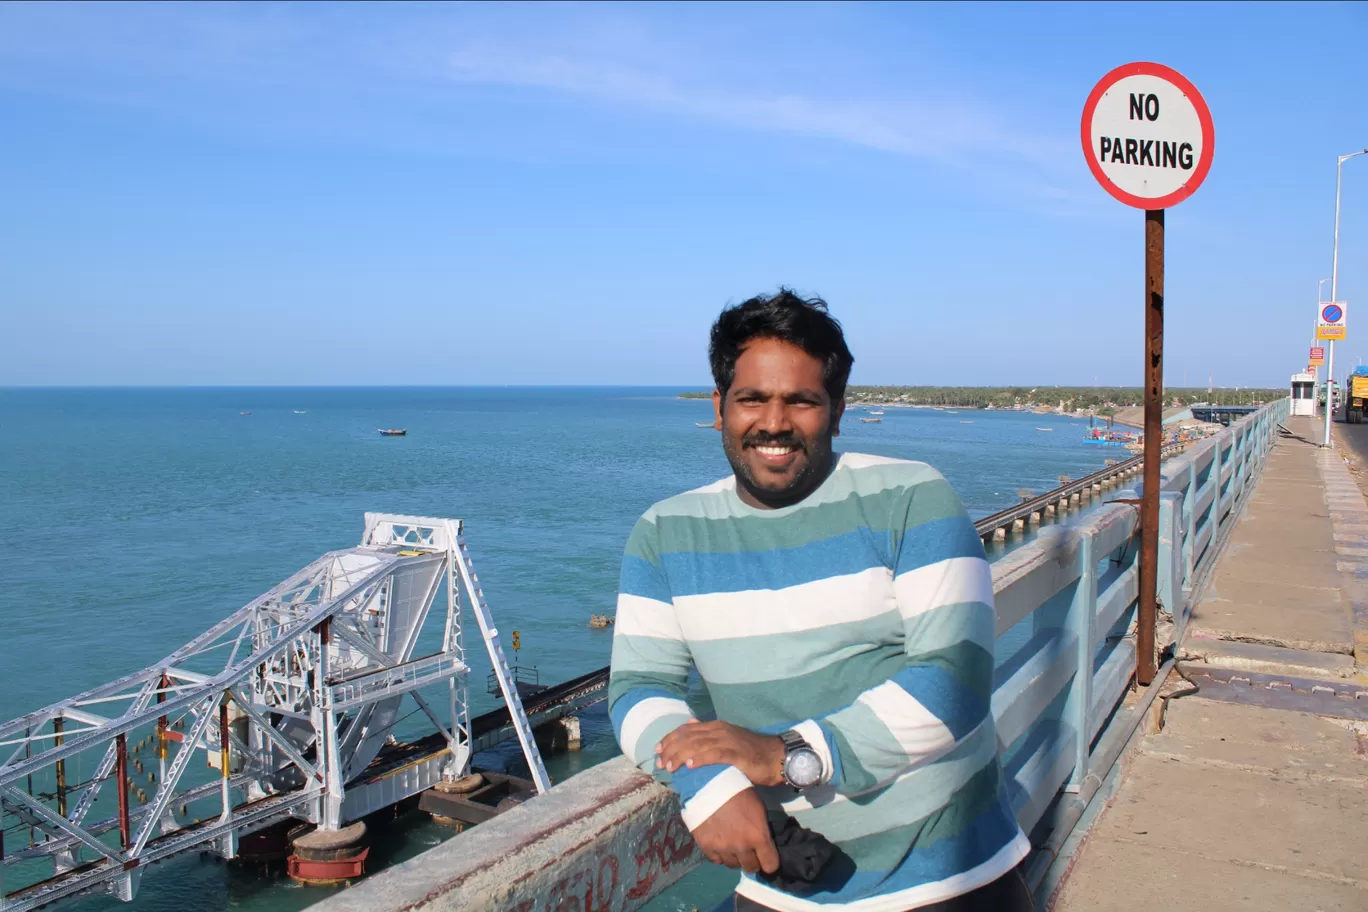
(1074, 398)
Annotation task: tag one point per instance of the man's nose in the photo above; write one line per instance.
(774, 419)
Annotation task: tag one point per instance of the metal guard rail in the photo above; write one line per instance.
(1037, 504)
(610, 838)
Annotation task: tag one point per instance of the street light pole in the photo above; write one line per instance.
(1334, 296)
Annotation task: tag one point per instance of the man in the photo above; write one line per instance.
(839, 610)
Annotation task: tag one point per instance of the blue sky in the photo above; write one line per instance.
(477, 194)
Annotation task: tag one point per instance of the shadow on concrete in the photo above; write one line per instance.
(1285, 434)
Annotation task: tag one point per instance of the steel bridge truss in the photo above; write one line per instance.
(291, 698)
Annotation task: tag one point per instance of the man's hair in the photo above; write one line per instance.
(803, 322)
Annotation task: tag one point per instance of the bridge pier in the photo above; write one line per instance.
(327, 857)
(559, 735)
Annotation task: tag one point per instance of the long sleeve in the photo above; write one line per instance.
(650, 676)
(944, 590)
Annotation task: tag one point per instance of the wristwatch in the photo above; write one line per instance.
(802, 766)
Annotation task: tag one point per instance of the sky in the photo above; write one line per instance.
(477, 194)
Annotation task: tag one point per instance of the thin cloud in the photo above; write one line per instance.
(944, 131)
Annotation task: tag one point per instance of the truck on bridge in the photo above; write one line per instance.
(1356, 395)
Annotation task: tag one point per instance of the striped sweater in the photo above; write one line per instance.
(862, 617)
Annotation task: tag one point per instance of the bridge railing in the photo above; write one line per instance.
(610, 838)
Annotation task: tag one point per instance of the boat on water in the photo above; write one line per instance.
(965, 421)
(1104, 437)
(876, 411)
(1044, 429)
(871, 420)
(707, 424)
(301, 411)
(392, 432)
(948, 412)
(244, 413)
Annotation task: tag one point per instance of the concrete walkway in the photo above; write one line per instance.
(1252, 797)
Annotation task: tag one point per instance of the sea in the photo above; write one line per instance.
(132, 519)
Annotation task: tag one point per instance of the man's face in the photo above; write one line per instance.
(777, 423)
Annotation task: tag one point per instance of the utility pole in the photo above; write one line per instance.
(1334, 296)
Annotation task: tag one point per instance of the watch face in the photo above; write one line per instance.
(803, 768)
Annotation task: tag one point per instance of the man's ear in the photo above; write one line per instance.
(837, 411)
(717, 410)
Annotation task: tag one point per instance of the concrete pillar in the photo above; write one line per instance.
(1051, 510)
(1034, 518)
(1018, 525)
(1000, 534)
(559, 735)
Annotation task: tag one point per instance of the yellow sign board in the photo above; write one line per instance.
(1332, 332)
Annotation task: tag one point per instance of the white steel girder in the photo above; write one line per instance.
(291, 698)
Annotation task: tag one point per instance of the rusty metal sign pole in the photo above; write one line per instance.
(1154, 429)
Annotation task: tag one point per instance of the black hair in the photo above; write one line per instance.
(803, 322)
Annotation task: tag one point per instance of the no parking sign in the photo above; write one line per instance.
(1330, 322)
(1148, 138)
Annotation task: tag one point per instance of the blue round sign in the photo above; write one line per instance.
(1332, 313)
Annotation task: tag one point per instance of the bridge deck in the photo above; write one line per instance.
(1253, 794)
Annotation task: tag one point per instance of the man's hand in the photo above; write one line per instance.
(694, 744)
(738, 836)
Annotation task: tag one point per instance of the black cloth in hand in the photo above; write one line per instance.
(804, 857)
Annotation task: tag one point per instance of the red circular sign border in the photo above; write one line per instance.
(1203, 116)
(1326, 309)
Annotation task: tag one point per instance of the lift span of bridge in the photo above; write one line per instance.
(290, 703)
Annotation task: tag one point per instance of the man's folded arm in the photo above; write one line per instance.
(650, 679)
(943, 693)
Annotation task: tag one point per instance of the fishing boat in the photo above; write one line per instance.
(871, 421)
(392, 432)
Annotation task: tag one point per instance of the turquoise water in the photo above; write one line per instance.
(133, 519)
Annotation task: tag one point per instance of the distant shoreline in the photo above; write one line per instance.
(1099, 401)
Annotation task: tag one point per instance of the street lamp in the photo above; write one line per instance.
(1334, 295)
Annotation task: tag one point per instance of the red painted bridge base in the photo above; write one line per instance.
(323, 873)
(329, 856)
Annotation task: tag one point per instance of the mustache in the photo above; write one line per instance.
(762, 438)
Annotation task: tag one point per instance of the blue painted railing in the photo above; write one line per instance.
(1066, 602)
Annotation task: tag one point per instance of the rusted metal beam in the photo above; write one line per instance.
(1154, 426)
(57, 723)
(121, 771)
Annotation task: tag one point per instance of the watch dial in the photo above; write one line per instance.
(804, 768)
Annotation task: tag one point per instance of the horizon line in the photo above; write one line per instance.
(567, 386)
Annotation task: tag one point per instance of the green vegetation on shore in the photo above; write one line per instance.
(1074, 398)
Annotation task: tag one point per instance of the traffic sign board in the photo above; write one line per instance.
(1147, 135)
(1317, 356)
(1330, 322)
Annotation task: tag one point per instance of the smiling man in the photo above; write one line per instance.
(839, 611)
